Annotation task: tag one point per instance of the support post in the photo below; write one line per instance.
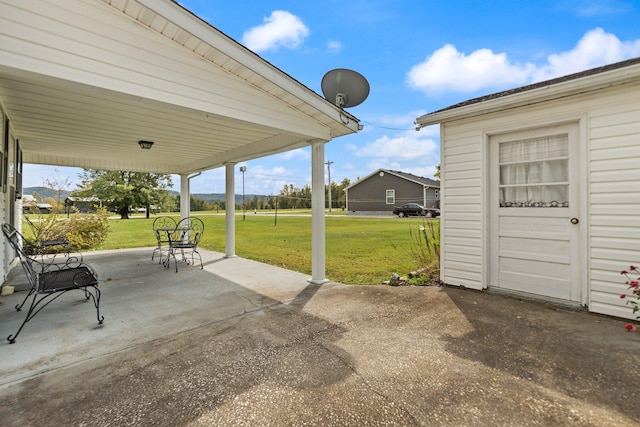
(185, 199)
(329, 163)
(317, 214)
(230, 211)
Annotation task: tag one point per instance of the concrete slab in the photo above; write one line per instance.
(242, 343)
(141, 301)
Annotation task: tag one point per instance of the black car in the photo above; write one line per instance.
(414, 209)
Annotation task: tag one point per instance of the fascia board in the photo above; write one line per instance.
(534, 96)
(183, 18)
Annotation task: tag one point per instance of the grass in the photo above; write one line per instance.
(359, 250)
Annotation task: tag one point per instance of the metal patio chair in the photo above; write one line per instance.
(184, 239)
(163, 226)
(51, 279)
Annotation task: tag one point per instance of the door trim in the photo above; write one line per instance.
(581, 162)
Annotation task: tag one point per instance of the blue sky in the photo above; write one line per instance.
(418, 56)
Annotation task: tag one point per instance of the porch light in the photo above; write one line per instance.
(145, 145)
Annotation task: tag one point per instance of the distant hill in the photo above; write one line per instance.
(43, 192)
(208, 197)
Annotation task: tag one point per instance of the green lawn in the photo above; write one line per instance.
(358, 250)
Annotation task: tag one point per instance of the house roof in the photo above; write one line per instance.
(426, 182)
(83, 81)
(585, 81)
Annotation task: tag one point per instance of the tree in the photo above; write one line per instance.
(437, 173)
(59, 185)
(343, 195)
(120, 191)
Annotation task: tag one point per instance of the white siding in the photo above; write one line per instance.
(461, 202)
(610, 183)
(7, 253)
(614, 192)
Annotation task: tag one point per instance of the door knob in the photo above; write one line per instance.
(574, 220)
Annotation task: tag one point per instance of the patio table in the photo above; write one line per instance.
(170, 231)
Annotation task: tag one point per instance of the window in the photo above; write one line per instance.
(4, 133)
(436, 192)
(18, 171)
(5, 157)
(391, 197)
(534, 172)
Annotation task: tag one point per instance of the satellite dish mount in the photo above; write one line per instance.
(345, 88)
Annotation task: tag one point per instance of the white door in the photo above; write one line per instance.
(534, 233)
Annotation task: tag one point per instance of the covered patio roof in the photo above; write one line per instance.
(83, 81)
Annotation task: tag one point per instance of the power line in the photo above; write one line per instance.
(387, 127)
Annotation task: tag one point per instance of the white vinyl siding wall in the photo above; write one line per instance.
(461, 204)
(614, 191)
(609, 180)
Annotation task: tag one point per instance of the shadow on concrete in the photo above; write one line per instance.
(242, 343)
(559, 351)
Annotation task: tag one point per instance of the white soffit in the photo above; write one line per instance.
(61, 120)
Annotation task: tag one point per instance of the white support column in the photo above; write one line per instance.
(317, 214)
(185, 199)
(230, 211)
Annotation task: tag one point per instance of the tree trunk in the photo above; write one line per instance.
(124, 212)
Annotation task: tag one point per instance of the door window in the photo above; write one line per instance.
(534, 172)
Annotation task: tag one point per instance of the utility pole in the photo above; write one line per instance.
(243, 169)
(329, 163)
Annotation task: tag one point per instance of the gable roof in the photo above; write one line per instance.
(83, 81)
(425, 182)
(584, 81)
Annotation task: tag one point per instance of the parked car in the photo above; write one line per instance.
(414, 209)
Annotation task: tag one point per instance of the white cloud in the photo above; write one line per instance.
(602, 8)
(298, 153)
(280, 29)
(448, 70)
(334, 46)
(408, 146)
(595, 48)
(404, 120)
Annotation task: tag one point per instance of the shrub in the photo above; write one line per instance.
(633, 298)
(85, 230)
(424, 247)
(41, 228)
(81, 230)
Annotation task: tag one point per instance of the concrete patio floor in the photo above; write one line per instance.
(244, 343)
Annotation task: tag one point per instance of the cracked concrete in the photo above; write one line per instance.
(336, 355)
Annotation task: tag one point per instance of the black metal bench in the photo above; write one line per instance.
(50, 279)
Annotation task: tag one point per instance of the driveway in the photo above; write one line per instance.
(243, 343)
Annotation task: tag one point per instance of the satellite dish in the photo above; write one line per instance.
(345, 88)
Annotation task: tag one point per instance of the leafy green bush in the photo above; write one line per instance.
(81, 230)
(85, 230)
(41, 228)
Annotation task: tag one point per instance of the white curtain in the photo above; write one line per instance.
(535, 172)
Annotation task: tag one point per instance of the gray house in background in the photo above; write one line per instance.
(380, 191)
